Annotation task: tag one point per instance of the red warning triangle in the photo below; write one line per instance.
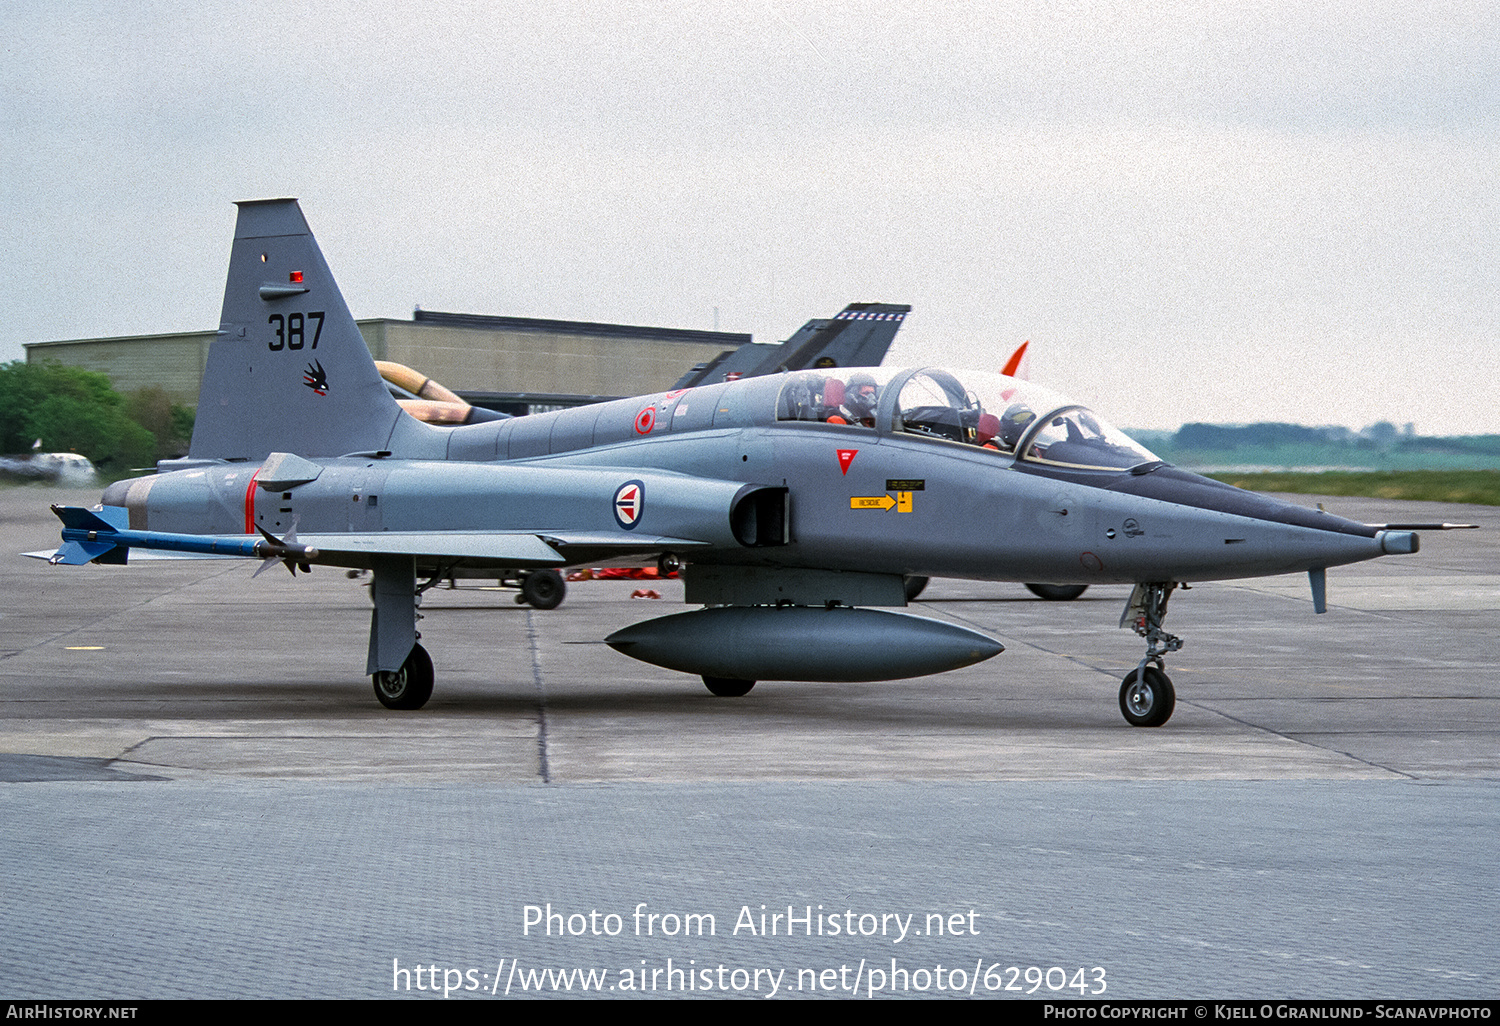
(846, 457)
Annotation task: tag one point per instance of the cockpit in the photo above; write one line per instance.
(971, 408)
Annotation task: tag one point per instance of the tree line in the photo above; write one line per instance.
(68, 409)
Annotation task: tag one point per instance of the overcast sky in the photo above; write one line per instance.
(1195, 211)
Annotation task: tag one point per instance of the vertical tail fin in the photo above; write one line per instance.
(289, 370)
(858, 336)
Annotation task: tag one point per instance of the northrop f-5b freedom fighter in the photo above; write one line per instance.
(792, 503)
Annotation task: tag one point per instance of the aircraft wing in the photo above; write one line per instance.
(102, 536)
(510, 550)
(513, 550)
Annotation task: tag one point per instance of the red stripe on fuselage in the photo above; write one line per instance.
(250, 503)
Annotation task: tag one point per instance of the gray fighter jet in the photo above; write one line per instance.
(792, 502)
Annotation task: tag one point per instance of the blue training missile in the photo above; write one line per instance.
(103, 535)
(803, 643)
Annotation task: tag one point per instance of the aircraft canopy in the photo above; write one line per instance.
(974, 408)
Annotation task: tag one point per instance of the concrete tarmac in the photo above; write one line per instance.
(208, 800)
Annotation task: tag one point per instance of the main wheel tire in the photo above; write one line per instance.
(1057, 592)
(728, 687)
(1148, 703)
(409, 687)
(915, 586)
(544, 589)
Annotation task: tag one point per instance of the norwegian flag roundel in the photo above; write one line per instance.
(630, 503)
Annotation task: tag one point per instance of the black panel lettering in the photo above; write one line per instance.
(292, 330)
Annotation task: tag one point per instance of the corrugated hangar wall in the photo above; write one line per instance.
(468, 353)
(472, 353)
(172, 362)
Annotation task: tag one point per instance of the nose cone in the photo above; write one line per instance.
(1214, 531)
(1172, 484)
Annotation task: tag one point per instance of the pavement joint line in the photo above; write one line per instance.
(541, 692)
(1306, 744)
(126, 753)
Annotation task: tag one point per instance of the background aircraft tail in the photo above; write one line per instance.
(858, 336)
(289, 370)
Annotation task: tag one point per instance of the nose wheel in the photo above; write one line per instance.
(1147, 697)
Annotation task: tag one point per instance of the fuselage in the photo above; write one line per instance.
(951, 474)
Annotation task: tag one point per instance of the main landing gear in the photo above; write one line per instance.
(1146, 695)
(542, 589)
(409, 687)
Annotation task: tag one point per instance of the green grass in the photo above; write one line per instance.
(1480, 487)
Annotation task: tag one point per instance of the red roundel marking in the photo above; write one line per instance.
(645, 420)
(1091, 561)
(630, 500)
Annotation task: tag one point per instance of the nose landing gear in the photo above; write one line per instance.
(1146, 695)
(1147, 699)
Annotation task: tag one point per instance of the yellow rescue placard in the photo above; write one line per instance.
(901, 502)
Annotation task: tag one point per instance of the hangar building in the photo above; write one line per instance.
(513, 364)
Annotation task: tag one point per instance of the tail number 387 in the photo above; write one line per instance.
(292, 330)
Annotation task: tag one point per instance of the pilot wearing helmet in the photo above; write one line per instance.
(861, 396)
(1013, 424)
